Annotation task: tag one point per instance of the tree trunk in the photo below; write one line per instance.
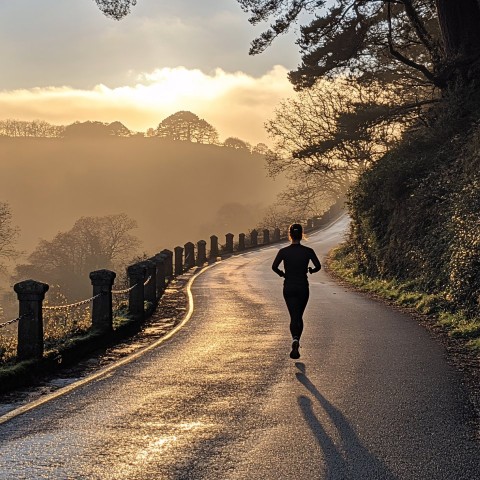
(460, 26)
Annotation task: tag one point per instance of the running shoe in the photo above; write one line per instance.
(295, 346)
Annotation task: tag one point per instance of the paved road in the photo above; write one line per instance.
(370, 398)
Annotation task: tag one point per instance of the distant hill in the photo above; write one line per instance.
(177, 191)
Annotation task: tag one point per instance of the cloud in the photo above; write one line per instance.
(237, 104)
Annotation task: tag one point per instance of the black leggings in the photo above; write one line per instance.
(296, 298)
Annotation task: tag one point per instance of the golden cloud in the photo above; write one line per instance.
(237, 104)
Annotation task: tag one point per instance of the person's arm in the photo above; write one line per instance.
(316, 263)
(276, 263)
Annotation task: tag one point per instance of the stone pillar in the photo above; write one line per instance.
(178, 260)
(201, 252)
(189, 255)
(276, 235)
(266, 236)
(150, 289)
(160, 260)
(168, 262)
(229, 243)
(253, 238)
(102, 317)
(213, 247)
(30, 326)
(241, 242)
(136, 277)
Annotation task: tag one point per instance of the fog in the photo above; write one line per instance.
(177, 191)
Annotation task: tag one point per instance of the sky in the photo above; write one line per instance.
(63, 60)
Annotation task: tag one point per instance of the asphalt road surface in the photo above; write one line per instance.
(371, 397)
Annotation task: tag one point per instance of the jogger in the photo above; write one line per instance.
(296, 258)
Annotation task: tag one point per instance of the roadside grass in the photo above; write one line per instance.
(8, 348)
(62, 331)
(457, 324)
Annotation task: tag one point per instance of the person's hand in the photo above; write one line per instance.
(310, 270)
(282, 274)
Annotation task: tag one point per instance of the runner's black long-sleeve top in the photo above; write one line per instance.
(295, 259)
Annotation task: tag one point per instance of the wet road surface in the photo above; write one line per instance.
(371, 397)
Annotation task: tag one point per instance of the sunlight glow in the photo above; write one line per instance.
(237, 104)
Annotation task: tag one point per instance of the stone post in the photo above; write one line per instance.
(266, 236)
(309, 224)
(229, 243)
(150, 289)
(213, 247)
(30, 326)
(136, 277)
(241, 242)
(102, 317)
(189, 255)
(161, 259)
(276, 235)
(168, 262)
(253, 238)
(201, 252)
(178, 260)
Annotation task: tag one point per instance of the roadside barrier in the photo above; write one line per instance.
(147, 281)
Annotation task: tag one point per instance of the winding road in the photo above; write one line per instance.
(372, 396)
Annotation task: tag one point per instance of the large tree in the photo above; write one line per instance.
(186, 126)
(394, 40)
(91, 244)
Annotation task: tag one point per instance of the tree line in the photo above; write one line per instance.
(181, 126)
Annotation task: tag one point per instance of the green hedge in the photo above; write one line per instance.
(416, 213)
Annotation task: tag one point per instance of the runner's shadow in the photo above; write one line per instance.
(348, 460)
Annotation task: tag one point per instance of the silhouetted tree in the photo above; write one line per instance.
(186, 126)
(234, 142)
(96, 129)
(116, 9)
(260, 148)
(327, 135)
(93, 243)
(381, 38)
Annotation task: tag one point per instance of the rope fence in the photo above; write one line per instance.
(10, 322)
(71, 305)
(125, 290)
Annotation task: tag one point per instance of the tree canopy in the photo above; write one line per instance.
(116, 9)
(91, 244)
(324, 137)
(237, 143)
(418, 41)
(187, 126)
(96, 129)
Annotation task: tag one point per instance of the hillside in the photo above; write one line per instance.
(177, 191)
